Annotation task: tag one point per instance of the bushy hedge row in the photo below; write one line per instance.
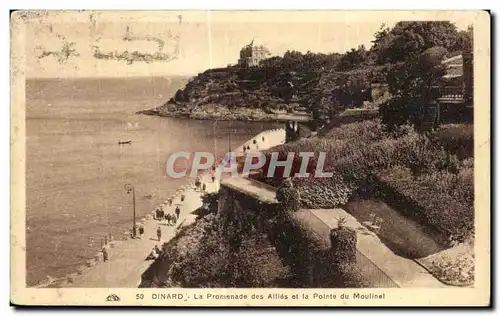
(354, 151)
(323, 192)
(457, 139)
(441, 200)
(440, 181)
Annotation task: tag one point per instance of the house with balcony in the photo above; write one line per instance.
(452, 99)
(455, 101)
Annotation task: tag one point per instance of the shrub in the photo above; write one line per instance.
(201, 255)
(343, 247)
(323, 192)
(431, 199)
(311, 261)
(259, 265)
(419, 167)
(299, 248)
(354, 151)
(180, 96)
(288, 197)
(457, 139)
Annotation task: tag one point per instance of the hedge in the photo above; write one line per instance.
(310, 258)
(429, 201)
(439, 182)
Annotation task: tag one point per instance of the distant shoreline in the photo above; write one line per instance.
(233, 115)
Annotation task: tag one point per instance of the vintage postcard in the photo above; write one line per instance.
(250, 158)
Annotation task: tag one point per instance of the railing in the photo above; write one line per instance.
(368, 268)
(452, 93)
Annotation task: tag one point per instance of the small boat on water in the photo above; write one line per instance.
(123, 142)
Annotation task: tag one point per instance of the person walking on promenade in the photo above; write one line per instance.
(174, 219)
(168, 218)
(141, 231)
(170, 201)
(158, 233)
(178, 211)
(183, 197)
(105, 255)
(204, 188)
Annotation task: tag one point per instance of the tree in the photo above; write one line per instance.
(464, 40)
(179, 96)
(353, 59)
(410, 85)
(408, 39)
(272, 62)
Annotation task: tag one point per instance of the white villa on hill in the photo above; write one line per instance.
(252, 54)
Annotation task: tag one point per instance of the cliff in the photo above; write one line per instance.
(231, 94)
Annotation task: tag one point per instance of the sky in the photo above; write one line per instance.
(196, 40)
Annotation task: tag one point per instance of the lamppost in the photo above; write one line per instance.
(215, 140)
(130, 188)
(230, 125)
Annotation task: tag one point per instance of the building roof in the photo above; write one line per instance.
(454, 67)
(254, 44)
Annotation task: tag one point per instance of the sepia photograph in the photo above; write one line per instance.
(250, 157)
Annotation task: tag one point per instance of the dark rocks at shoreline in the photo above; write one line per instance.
(240, 114)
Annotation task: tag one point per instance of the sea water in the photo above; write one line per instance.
(76, 170)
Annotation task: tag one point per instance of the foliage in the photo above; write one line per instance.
(440, 182)
(288, 197)
(353, 59)
(409, 84)
(457, 139)
(408, 39)
(202, 256)
(453, 266)
(416, 50)
(460, 272)
(464, 41)
(210, 204)
(441, 200)
(327, 84)
(343, 246)
(337, 91)
(323, 192)
(259, 265)
(309, 257)
(180, 96)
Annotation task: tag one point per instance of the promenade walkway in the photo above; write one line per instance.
(263, 141)
(127, 258)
